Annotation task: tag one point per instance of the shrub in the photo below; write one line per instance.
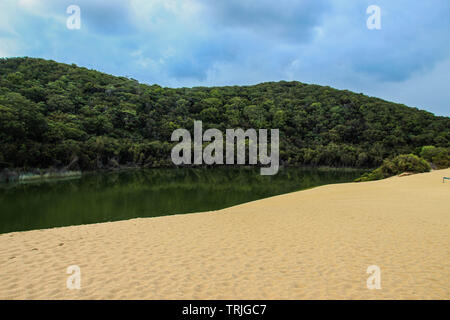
(442, 160)
(439, 157)
(428, 152)
(397, 165)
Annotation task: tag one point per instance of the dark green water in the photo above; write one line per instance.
(111, 196)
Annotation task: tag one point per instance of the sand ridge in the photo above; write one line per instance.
(312, 244)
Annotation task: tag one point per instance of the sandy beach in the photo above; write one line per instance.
(313, 244)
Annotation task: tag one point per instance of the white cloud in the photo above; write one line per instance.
(427, 90)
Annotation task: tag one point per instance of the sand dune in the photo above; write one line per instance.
(313, 244)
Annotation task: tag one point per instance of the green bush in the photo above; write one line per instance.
(397, 165)
(442, 160)
(440, 157)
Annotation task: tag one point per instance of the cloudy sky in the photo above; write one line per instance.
(235, 42)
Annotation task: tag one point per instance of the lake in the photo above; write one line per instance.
(112, 196)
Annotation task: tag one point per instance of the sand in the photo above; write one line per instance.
(313, 244)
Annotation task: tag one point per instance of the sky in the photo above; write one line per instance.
(186, 43)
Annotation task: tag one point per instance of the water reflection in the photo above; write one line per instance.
(111, 196)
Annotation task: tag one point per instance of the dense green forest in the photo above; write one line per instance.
(59, 115)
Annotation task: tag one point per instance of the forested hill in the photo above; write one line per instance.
(52, 114)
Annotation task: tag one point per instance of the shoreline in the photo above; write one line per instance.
(310, 244)
(11, 177)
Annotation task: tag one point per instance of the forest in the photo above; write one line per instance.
(55, 115)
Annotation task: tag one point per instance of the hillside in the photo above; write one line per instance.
(53, 114)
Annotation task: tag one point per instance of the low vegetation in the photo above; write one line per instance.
(439, 158)
(400, 164)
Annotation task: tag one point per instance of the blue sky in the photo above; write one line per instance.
(236, 42)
